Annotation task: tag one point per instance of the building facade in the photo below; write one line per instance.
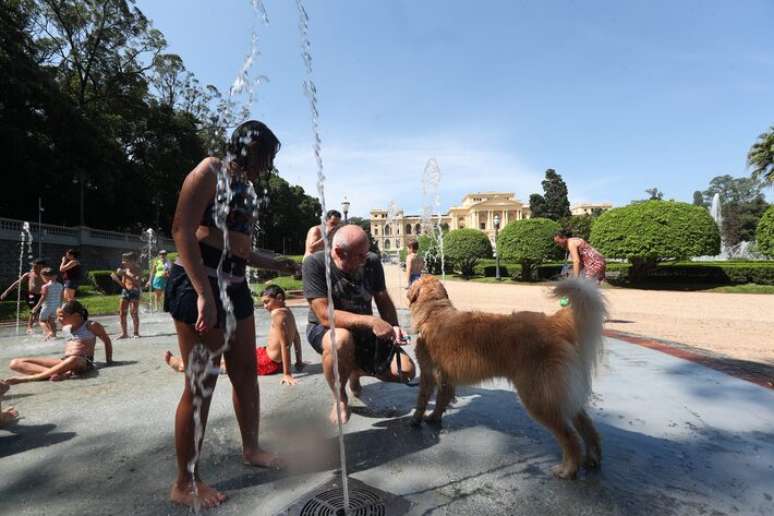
(587, 208)
(477, 211)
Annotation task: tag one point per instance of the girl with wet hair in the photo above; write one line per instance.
(81, 337)
(192, 293)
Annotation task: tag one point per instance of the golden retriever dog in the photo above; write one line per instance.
(548, 358)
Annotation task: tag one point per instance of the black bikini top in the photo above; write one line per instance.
(242, 209)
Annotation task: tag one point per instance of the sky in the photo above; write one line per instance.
(615, 96)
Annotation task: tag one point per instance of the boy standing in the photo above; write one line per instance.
(128, 276)
(34, 284)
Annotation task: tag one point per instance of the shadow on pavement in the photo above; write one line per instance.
(29, 437)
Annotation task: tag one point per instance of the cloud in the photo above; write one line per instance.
(372, 174)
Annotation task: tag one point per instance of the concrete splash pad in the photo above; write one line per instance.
(678, 439)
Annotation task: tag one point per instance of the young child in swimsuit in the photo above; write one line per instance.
(128, 276)
(275, 356)
(78, 356)
(50, 299)
(414, 263)
(34, 284)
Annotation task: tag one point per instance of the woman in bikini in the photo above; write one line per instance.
(586, 260)
(70, 268)
(81, 335)
(192, 294)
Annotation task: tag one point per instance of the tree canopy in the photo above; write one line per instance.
(553, 204)
(529, 242)
(761, 156)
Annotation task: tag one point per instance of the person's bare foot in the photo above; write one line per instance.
(343, 412)
(13, 380)
(123, 336)
(60, 377)
(4, 387)
(173, 361)
(136, 336)
(261, 458)
(8, 415)
(206, 497)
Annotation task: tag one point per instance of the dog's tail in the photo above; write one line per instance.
(589, 312)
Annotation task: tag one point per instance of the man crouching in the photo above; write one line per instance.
(367, 345)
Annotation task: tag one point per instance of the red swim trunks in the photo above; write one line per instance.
(266, 365)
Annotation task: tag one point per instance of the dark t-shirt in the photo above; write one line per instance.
(352, 292)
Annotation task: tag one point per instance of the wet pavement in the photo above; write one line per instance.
(678, 438)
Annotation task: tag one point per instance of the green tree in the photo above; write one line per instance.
(579, 225)
(555, 195)
(537, 206)
(430, 249)
(765, 233)
(464, 247)
(761, 156)
(285, 215)
(655, 194)
(698, 198)
(366, 225)
(530, 243)
(742, 204)
(652, 231)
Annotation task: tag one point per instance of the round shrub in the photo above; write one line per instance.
(464, 247)
(530, 243)
(431, 252)
(764, 235)
(649, 232)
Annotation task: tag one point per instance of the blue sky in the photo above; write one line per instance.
(616, 96)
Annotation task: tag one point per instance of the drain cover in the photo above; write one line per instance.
(364, 500)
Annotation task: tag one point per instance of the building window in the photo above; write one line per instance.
(482, 226)
(387, 229)
(386, 244)
(397, 244)
(408, 229)
(418, 229)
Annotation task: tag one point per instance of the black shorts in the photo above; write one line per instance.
(371, 354)
(180, 298)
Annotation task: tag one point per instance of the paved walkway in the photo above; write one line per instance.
(678, 439)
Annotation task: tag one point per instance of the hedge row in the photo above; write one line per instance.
(761, 273)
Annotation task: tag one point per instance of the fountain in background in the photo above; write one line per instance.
(431, 203)
(740, 251)
(147, 253)
(25, 240)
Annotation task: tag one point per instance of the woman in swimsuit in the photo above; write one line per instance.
(81, 335)
(71, 274)
(586, 260)
(192, 294)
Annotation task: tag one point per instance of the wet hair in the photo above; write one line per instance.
(73, 252)
(39, 261)
(332, 213)
(74, 307)
(413, 245)
(252, 136)
(564, 233)
(273, 291)
(48, 271)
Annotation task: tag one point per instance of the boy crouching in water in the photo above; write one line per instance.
(275, 356)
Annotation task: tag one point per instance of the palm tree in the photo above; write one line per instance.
(761, 156)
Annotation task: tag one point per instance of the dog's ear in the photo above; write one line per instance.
(413, 291)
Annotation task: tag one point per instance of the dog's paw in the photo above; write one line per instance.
(593, 461)
(565, 472)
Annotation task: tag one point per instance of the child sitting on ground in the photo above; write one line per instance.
(275, 356)
(78, 357)
(50, 299)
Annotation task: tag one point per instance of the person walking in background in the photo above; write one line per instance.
(586, 260)
(34, 284)
(128, 276)
(70, 269)
(314, 237)
(158, 280)
(415, 264)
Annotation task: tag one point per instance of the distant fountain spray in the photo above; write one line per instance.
(310, 90)
(25, 241)
(431, 203)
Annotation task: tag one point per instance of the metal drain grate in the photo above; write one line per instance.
(364, 500)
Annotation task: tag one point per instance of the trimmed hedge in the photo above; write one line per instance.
(764, 235)
(649, 232)
(464, 247)
(103, 282)
(528, 242)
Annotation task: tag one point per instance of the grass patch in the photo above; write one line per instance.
(749, 288)
(286, 282)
